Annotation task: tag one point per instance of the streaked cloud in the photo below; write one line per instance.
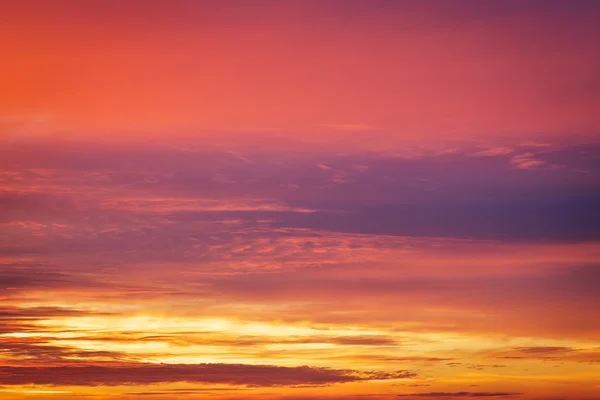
(299, 200)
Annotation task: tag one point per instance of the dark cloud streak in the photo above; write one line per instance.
(149, 374)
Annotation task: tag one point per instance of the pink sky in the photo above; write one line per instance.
(299, 200)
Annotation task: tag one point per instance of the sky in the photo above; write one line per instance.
(299, 200)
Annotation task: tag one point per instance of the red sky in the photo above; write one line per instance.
(299, 200)
(401, 69)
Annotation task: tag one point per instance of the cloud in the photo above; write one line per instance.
(247, 340)
(19, 277)
(24, 351)
(461, 394)
(527, 161)
(8, 313)
(149, 374)
(187, 392)
(393, 359)
(468, 302)
(549, 353)
(493, 152)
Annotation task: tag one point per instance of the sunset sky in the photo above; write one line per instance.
(300, 200)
